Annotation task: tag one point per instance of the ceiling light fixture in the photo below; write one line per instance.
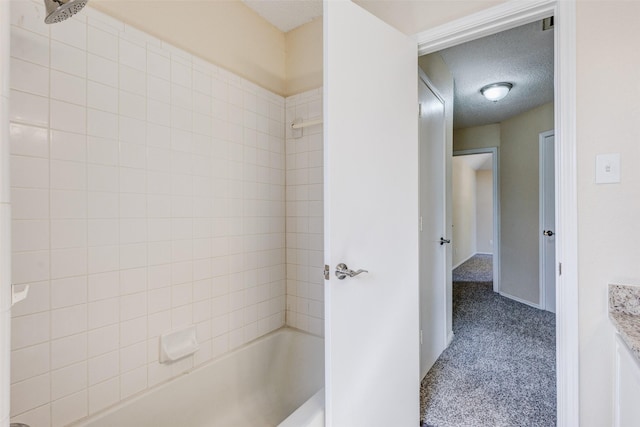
(496, 91)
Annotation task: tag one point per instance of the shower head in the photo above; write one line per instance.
(59, 10)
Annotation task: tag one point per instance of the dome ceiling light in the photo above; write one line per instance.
(496, 91)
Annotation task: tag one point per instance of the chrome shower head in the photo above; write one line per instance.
(59, 10)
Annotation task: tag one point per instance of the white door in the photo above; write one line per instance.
(371, 220)
(433, 303)
(547, 222)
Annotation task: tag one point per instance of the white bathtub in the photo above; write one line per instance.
(258, 385)
(310, 414)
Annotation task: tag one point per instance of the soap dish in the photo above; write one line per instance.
(178, 344)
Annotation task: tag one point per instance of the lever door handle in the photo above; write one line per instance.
(343, 271)
(443, 241)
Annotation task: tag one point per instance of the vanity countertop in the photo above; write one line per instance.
(624, 312)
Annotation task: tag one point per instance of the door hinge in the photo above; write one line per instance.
(420, 223)
(326, 272)
(420, 336)
(559, 269)
(419, 110)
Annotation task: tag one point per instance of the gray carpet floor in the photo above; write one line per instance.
(499, 370)
(478, 268)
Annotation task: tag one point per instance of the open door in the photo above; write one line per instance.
(433, 236)
(547, 222)
(371, 220)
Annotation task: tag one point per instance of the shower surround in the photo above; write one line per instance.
(148, 193)
(305, 214)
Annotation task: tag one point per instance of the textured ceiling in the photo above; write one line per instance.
(522, 56)
(286, 14)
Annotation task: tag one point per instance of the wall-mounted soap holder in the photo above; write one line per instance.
(17, 296)
(178, 344)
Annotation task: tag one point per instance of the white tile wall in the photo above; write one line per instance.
(148, 193)
(5, 224)
(304, 198)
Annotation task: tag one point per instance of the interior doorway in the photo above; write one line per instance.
(488, 326)
(476, 209)
(505, 16)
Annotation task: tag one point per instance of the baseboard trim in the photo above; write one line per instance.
(449, 338)
(471, 256)
(463, 261)
(520, 300)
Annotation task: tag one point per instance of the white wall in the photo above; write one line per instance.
(226, 33)
(464, 211)
(519, 200)
(486, 136)
(305, 214)
(472, 210)
(148, 194)
(608, 226)
(304, 58)
(484, 211)
(233, 36)
(411, 17)
(5, 218)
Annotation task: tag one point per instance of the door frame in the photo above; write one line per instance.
(495, 185)
(542, 265)
(502, 17)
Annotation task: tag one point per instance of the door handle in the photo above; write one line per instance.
(443, 241)
(343, 271)
(548, 233)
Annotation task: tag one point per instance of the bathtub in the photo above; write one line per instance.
(279, 376)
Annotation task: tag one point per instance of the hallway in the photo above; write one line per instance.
(500, 367)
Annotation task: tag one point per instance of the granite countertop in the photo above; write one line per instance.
(624, 312)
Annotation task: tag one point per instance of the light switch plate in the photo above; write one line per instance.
(608, 168)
